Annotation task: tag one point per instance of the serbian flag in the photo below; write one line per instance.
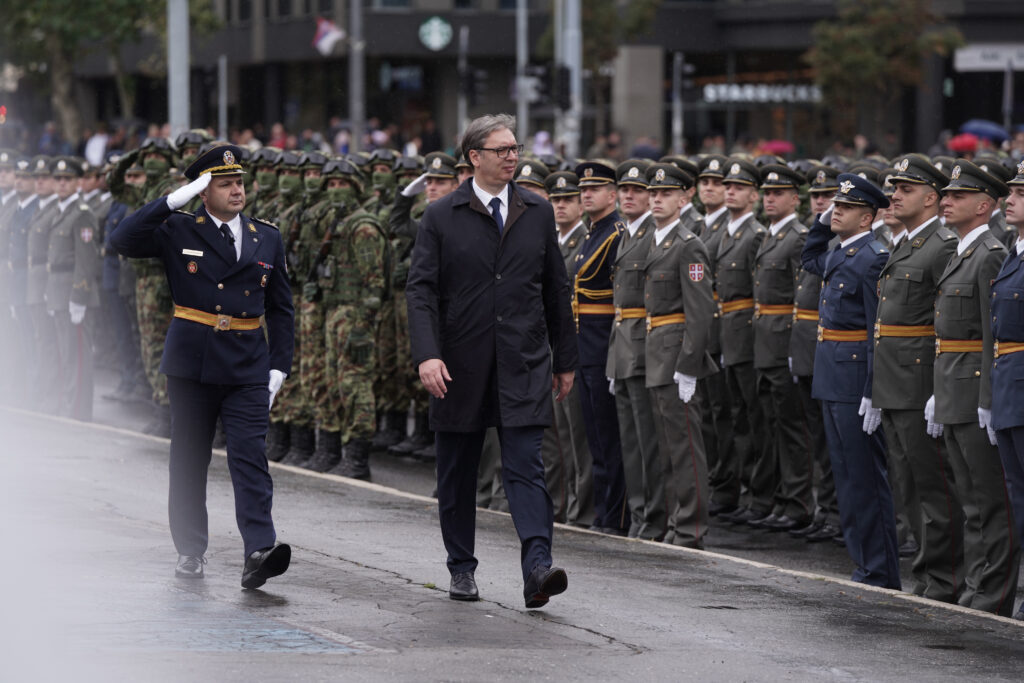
(327, 36)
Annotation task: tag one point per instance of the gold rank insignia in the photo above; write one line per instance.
(560, 183)
(845, 187)
(820, 178)
(252, 228)
(956, 172)
(229, 158)
(200, 219)
(902, 166)
(436, 163)
(918, 242)
(634, 172)
(713, 165)
(659, 175)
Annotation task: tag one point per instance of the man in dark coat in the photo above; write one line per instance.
(489, 316)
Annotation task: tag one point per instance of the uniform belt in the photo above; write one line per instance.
(904, 330)
(595, 309)
(629, 313)
(670, 319)
(1004, 348)
(221, 323)
(959, 346)
(736, 305)
(805, 314)
(773, 309)
(842, 335)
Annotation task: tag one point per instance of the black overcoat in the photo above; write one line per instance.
(495, 310)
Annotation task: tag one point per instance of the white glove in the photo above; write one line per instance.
(985, 422)
(183, 195)
(687, 385)
(611, 386)
(77, 312)
(872, 416)
(415, 187)
(826, 216)
(276, 380)
(796, 380)
(934, 430)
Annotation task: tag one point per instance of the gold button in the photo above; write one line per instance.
(887, 276)
(854, 356)
(956, 292)
(217, 307)
(977, 373)
(940, 291)
(243, 314)
(220, 285)
(247, 292)
(936, 314)
(733, 264)
(840, 285)
(1015, 295)
(916, 360)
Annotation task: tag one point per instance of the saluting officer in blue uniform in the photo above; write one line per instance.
(843, 373)
(226, 271)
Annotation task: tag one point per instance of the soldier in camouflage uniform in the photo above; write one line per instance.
(189, 143)
(352, 283)
(304, 229)
(265, 162)
(291, 418)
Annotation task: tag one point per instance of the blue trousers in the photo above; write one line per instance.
(244, 412)
(522, 473)
(1011, 452)
(600, 417)
(865, 500)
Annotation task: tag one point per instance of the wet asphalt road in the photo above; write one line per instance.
(91, 593)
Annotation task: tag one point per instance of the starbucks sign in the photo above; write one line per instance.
(435, 33)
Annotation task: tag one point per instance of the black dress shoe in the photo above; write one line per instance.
(807, 530)
(785, 523)
(839, 539)
(826, 532)
(910, 548)
(741, 516)
(762, 521)
(542, 583)
(717, 509)
(190, 567)
(463, 587)
(264, 564)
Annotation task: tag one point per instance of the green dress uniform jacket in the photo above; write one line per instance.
(73, 259)
(963, 312)
(629, 334)
(735, 285)
(906, 297)
(776, 272)
(38, 245)
(712, 235)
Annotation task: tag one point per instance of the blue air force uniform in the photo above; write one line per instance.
(842, 376)
(217, 358)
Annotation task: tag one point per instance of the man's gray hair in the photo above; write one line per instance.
(480, 128)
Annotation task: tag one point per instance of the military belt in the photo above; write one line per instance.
(629, 313)
(595, 309)
(1004, 348)
(805, 314)
(842, 335)
(958, 346)
(772, 309)
(670, 319)
(221, 323)
(736, 305)
(904, 330)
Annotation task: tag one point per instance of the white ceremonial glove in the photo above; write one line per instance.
(415, 187)
(934, 430)
(77, 312)
(183, 195)
(985, 422)
(872, 416)
(276, 380)
(687, 385)
(826, 216)
(611, 386)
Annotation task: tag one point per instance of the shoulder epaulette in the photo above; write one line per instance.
(185, 213)
(994, 244)
(801, 228)
(946, 234)
(83, 207)
(759, 229)
(620, 226)
(878, 247)
(266, 222)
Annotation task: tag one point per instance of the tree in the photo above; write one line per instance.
(874, 51)
(58, 32)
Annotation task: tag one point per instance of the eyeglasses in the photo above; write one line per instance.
(503, 152)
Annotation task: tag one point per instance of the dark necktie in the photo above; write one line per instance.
(230, 239)
(496, 212)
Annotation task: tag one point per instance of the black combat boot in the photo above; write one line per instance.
(391, 430)
(426, 454)
(327, 454)
(301, 447)
(356, 463)
(278, 440)
(421, 437)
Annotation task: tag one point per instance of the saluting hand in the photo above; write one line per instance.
(433, 373)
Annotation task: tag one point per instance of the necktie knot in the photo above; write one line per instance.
(495, 205)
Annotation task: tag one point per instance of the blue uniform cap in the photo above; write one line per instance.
(219, 159)
(859, 191)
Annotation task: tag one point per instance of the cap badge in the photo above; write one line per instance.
(1020, 168)
(229, 158)
(40, 165)
(587, 172)
(3, 157)
(659, 175)
(713, 165)
(773, 176)
(820, 178)
(734, 169)
(527, 170)
(984, 167)
(62, 165)
(902, 166)
(633, 172)
(436, 163)
(863, 175)
(560, 183)
(956, 172)
(938, 165)
(845, 187)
